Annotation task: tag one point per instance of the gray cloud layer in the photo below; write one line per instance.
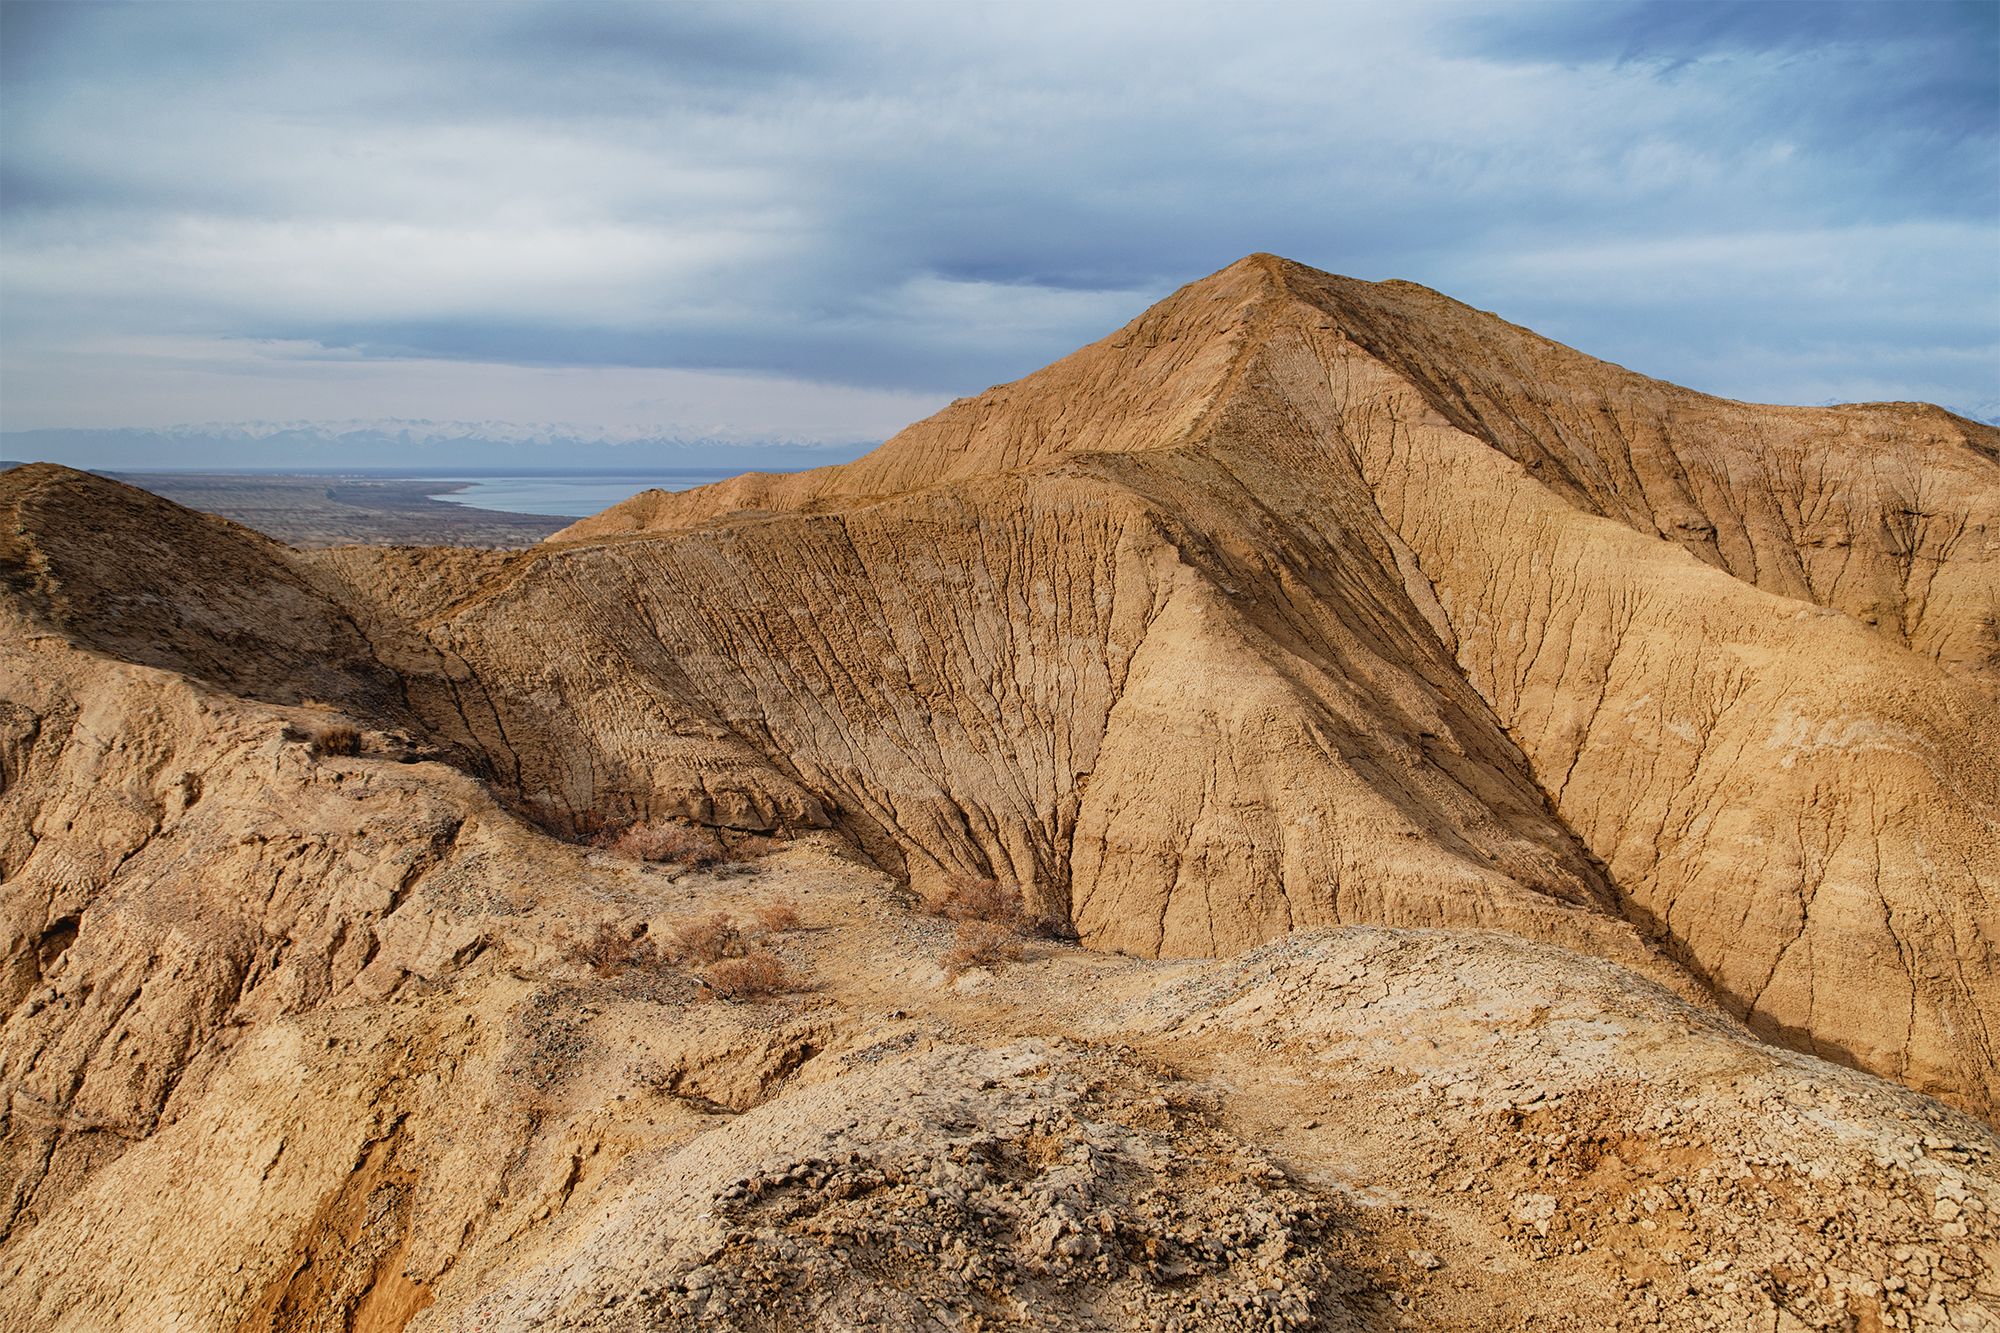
(1792, 202)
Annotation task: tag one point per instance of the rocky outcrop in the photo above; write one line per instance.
(1528, 722)
(1747, 654)
(416, 1101)
(1298, 601)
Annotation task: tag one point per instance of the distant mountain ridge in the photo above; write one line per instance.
(403, 443)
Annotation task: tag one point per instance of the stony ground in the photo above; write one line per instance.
(1354, 1128)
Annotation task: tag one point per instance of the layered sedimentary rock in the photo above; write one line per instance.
(1748, 654)
(1300, 602)
(316, 1043)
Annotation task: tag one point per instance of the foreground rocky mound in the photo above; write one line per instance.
(337, 1042)
(1587, 715)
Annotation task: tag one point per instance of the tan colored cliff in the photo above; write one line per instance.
(1747, 654)
(1298, 601)
(315, 1043)
(1301, 602)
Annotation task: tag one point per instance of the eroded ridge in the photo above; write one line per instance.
(1514, 724)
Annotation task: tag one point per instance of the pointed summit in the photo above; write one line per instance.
(1370, 491)
(1297, 601)
(1142, 387)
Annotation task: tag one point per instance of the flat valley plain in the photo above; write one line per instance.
(342, 509)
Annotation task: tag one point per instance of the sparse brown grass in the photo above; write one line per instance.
(714, 940)
(987, 944)
(778, 916)
(666, 842)
(611, 950)
(992, 923)
(756, 974)
(708, 939)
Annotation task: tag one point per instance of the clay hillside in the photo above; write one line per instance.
(1323, 810)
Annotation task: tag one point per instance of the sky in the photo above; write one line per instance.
(815, 223)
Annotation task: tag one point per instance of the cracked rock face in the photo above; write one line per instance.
(1504, 804)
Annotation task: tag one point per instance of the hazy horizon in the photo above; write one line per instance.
(312, 449)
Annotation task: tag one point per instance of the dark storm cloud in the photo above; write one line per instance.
(1784, 201)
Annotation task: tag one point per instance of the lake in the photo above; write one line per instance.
(576, 496)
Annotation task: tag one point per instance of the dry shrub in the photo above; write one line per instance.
(1051, 926)
(969, 899)
(610, 951)
(775, 918)
(591, 827)
(336, 738)
(981, 944)
(659, 840)
(757, 973)
(708, 939)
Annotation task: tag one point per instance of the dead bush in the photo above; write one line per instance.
(611, 950)
(335, 738)
(985, 944)
(969, 899)
(778, 917)
(1051, 926)
(756, 974)
(591, 827)
(708, 939)
(663, 841)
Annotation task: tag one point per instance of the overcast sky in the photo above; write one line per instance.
(819, 222)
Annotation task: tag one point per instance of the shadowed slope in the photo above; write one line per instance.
(1810, 810)
(1889, 512)
(1183, 735)
(125, 573)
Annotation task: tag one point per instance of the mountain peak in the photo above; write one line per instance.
(1529, 717)
(1160, 380)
